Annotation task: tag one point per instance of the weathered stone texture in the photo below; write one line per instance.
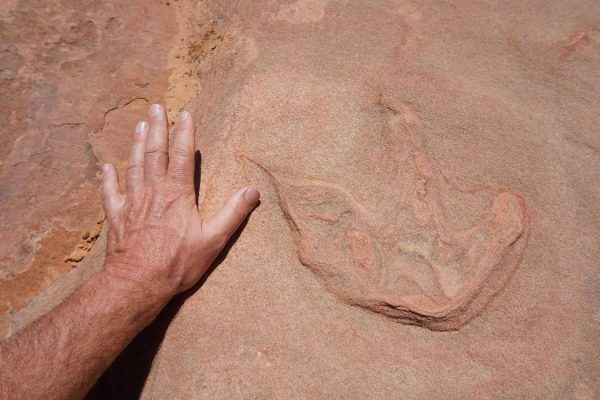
(429, 175)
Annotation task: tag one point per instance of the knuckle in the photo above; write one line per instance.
(238, 214)
(179, 151)
(176, 172)
(155, 152)
(165, 198)
(155, 167)
(134, 166)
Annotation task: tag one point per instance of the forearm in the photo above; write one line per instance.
(62, 354)
(157, 246)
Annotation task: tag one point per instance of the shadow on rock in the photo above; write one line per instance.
(126, 377)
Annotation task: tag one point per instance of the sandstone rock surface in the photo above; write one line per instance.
(73, 84)
(430, 222)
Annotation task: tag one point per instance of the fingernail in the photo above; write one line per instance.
(106, 168)
(184, 115)
(252, 196)
(154, 109)
(141, 127)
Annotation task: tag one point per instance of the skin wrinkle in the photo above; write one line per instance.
(157, 247)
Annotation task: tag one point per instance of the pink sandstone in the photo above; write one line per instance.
(430, 222)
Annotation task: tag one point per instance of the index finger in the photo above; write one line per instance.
(181, 161)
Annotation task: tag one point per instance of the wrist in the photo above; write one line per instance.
(133, 290)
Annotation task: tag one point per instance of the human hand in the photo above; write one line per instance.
(156, 239)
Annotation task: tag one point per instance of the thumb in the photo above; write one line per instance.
(233, 214)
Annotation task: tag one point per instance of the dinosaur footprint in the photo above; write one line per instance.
(416, 268)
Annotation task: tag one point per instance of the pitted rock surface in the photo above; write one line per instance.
(429, 215)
